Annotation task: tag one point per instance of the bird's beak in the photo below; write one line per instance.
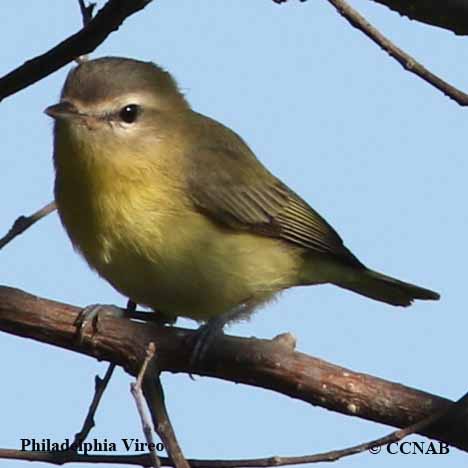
(63, 110)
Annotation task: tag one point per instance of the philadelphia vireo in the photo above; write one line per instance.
(175, 211)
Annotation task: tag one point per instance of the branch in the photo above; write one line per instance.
(86, 11)
(100, 386)
(135, 388)
(86, 17)
(405, 60)
(61, 458)
(271, 364)
(448, 14)
(107, 20)
(24, 222)
(154, 395)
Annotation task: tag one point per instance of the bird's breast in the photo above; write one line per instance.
(135, 227)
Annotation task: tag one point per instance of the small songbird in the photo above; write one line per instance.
(174, 210)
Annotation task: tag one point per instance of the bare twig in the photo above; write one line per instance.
(99, 388)
(108, 19)
(25, 222)
(154, 394)
(86, 11)
(87, 16)
(135, 388)
(330, 456)
(407, 62)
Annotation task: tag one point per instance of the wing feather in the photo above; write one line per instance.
(234, 189)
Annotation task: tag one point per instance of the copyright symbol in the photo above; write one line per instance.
(375, 450)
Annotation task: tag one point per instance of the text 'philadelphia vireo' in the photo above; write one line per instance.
(176, 212)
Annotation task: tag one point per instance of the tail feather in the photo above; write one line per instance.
(383, 288)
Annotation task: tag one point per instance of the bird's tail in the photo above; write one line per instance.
(383, 288)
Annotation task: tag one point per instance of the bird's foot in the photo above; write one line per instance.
(90, 315)
(204, 337)
(206, 334)
(156, 316)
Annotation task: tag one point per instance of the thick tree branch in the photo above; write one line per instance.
(107, 20)
(262, 363)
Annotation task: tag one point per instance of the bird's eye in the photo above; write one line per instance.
(129, 113)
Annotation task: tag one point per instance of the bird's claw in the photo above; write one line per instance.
(203, 339)
(91, 314)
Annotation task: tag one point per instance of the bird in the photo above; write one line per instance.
(175, 211)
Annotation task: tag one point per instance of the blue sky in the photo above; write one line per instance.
(379, 153)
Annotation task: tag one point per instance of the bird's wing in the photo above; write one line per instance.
(233, 188)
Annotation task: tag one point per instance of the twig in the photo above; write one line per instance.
(330, 456)
(107, 20)
(408, 62)
(154, 394)
(86, 11)
(25, 222)
(135, 388)
(87, 16)
(99, 388)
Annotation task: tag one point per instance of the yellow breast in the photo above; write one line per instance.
(130, 219)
